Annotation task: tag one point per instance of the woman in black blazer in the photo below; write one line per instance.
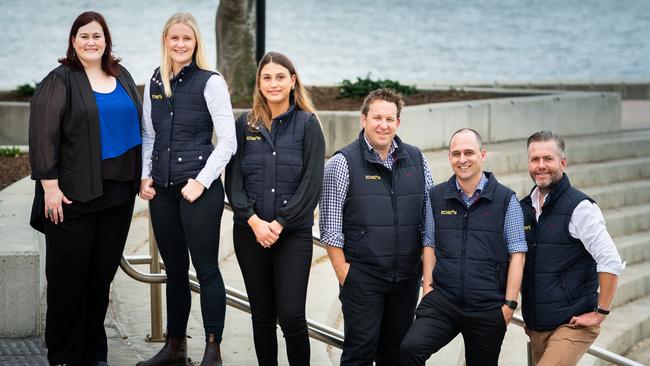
(84, 150)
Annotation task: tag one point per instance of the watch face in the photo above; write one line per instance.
(511, 304)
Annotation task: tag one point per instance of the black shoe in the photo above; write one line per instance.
(173, 353)
(212, 353)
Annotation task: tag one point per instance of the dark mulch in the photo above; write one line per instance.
(12, 96)
(326, 98)
(13, 169)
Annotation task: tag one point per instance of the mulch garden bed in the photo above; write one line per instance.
(13, 169)
(326, 98)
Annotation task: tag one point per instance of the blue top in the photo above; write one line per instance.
(119, 124)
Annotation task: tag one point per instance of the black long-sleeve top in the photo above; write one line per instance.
(306, 197)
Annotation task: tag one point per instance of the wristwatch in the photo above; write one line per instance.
(512, 304)
(600, 310)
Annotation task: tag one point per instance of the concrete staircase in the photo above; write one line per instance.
(613, 168)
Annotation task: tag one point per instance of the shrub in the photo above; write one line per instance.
(362, 87)
(25, 90)
(9, 151)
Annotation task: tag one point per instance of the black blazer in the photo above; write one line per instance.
(64, 135)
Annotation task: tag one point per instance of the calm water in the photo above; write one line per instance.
(329, 40)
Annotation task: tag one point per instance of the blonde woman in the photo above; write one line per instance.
(273, 184)
(184, 103)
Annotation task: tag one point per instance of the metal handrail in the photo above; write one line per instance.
(317, 331)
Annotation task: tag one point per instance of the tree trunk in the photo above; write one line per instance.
(235, 31)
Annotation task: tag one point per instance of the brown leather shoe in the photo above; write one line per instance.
(212, 353)
(173, 353)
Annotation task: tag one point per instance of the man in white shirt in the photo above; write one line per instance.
(570, 255)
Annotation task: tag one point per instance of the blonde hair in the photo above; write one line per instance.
(260, 112)
(166, 61)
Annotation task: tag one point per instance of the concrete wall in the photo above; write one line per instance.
(429, 126)
(22, 264)
(14, 123)
(627, 90)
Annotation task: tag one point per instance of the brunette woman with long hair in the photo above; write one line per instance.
(84, 151)
(273, 184)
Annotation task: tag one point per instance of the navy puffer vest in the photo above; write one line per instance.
(272, 164)
(183, 126)
(560, 278)
(471, 257)
(382, 213)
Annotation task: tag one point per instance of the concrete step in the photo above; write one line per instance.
(627, 220)
(584, 176)
(623, 328)
(634, 248)
(510, 157)
(633, 284)
(627, 193)
(640, 352)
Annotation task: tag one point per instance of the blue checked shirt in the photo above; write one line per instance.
(513, 228)
(336, 180)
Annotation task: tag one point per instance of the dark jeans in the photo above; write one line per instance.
(276, 282)
(82, 256)
(438, 322)
(377, 314)
(178, 226)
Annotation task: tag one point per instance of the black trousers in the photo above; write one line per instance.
(377, 314)
(82, 256)
(178, 226)
(276, 282)
(438, 322)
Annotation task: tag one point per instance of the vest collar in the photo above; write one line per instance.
(286, 115)
(487, 192)
(368, 155)
(557, 191)
(185, 70)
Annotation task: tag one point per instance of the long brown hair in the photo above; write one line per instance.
(109, 61)
(261, 113)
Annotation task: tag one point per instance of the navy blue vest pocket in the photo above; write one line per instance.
(353, 239)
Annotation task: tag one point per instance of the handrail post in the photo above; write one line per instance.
(155, 292)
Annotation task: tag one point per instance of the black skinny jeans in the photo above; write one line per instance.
(178, 226)
(276, 282)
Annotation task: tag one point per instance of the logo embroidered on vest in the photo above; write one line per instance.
(448, 212)
(253, 138)
(156, 96)
(373, 177)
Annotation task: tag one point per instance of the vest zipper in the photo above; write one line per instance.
(534, 274)
(463, 259)
(395, 222)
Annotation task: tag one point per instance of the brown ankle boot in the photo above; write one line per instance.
(173, 353)
(212, 353)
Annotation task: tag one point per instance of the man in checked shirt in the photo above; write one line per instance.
(473, 271)
(375, 218)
